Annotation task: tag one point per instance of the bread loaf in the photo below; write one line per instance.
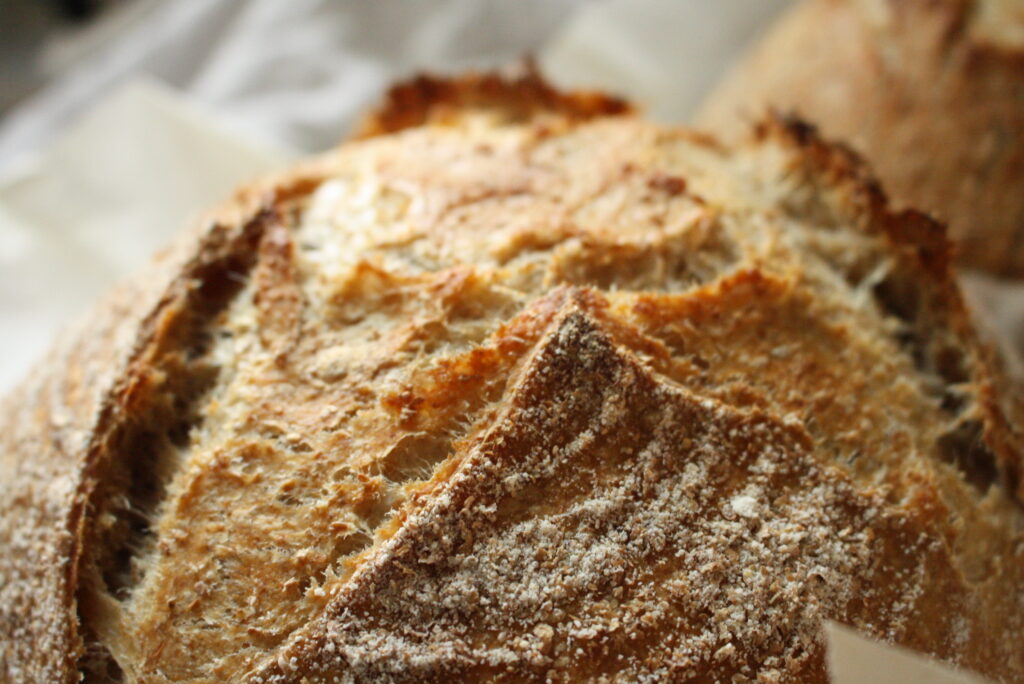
(519, 387)
(930, 91)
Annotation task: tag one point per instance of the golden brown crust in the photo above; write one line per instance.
(565, 396)
(929, 91)
(519, 96)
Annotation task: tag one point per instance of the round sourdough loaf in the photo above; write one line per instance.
(930, 91)
(519, 387)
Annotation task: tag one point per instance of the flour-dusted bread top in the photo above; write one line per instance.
(519, 386)
(930, 91)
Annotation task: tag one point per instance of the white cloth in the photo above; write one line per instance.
(288, 72)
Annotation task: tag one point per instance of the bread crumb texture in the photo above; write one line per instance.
(520, 388)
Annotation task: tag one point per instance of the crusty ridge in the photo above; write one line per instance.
(520, 95)
(677, 472)
(924, 245)
(370, 452)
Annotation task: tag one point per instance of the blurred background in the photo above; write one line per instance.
(295, 73)
(120, 119)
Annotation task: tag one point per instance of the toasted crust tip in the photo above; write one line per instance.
(519, 94)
